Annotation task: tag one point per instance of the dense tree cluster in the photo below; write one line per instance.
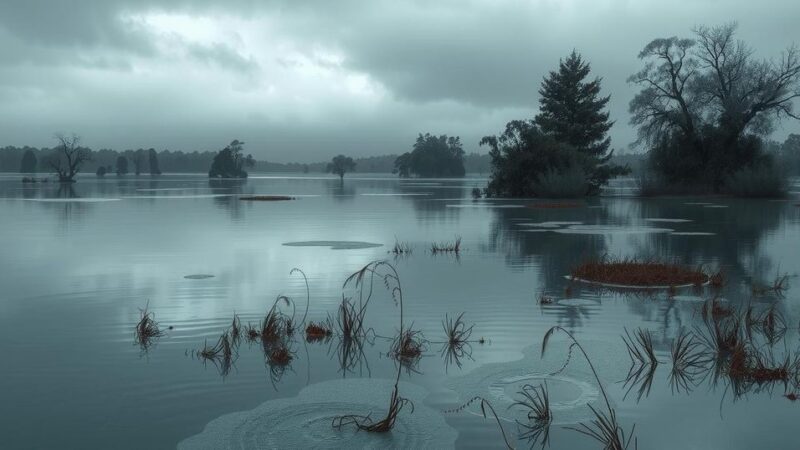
(564, 150)
(231, 161)
(433, 156)
(707, 102)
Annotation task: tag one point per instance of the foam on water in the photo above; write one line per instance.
(305, 421)
(334, 245)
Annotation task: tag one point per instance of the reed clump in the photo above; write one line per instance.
(402, 248)
(447, 246)
(637, 273)
(147, 328)
(318, 331)
(457, 344)
(536, 401)
(408, 346)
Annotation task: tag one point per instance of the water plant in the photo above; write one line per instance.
(408, 346)
(637, 273)
(275, 324)
(643, 361)
(363, 282)
(402, 248)
(147, 329)
(447, 246)
(605, 427)
(536, 401)
(688, 361)
(778, 287)
(308, 292)
(317, 331)
(221, 354)
(456, 345)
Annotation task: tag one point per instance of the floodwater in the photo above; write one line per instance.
(79, 263)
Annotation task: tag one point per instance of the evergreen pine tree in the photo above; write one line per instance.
(571, 108)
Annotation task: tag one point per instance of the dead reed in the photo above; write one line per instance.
(236, 329)
(447, 246)
(643, 362)
(275, 324)
(318, 331)
(456, 345)
(605, 427)
(408, 346)
(536, 401)
(147, 329)
(402, 248)
(363, 282)
(688, 362)
(221, 354)
(637, 273)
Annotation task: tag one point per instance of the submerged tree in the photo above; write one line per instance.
(67, 158)
(564, 150)
(153, 162)
(572, 110)
(29, 162)
(230, 162)
(340, 165)
(122, 165)
(706, 103)
(433, 156)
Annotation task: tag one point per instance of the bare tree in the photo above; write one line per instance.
(714, 80)
(68, 156)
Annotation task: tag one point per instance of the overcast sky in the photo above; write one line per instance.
(302, 80)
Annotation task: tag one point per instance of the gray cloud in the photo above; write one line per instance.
(300, 80)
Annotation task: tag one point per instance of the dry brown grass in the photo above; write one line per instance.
(638, 273)
(318, 331)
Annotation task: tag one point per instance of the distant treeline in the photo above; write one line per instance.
(199, 162)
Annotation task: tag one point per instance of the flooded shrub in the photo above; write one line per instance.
(569, 183)
(762, 181)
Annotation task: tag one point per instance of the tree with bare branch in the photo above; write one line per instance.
(67, 157)
(706, 103)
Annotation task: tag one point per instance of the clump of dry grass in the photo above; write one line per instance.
(318, 331)
(280, 355)
(643, 361)
(778, 287)
(446, 246)
(637, 273)
(408, 346)
(402, 248)
(276, 325)
(220, 354)
(236, 329)
(536, 401)
(457, 344)
(688, 362)
(147, 329)
(365, 423)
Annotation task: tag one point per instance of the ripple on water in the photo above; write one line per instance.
(334, 245)
(72, 200)
(305, 421)
(571, 390)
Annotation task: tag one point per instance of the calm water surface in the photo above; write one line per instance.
(78, 263)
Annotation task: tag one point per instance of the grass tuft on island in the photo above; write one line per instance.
(637, 273)
(266, 198)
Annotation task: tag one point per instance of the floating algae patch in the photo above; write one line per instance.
(305, 421)
(334, 245)
(610, 229)
(198, 276)
(571, 389)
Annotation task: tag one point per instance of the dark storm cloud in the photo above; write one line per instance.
(303, 79)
